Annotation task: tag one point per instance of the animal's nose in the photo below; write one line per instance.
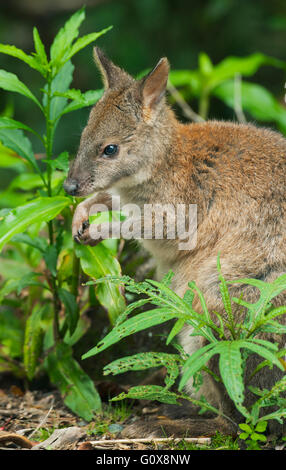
(71, 187)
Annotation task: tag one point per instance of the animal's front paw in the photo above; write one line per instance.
(82, 234)
(80, 223)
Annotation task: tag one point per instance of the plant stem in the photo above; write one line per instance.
(204, 104)
(75, 274)
(49, 152)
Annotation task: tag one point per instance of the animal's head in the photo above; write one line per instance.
(119, 140)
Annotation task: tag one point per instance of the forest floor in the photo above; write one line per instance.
(40, 420)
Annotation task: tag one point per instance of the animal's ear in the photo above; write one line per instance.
(154, 84)
(112, 75)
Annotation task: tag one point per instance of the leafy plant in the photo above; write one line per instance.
(252, 434)
(231, 339)
(223, 81)
(40, 266)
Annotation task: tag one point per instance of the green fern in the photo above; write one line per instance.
(231, 341)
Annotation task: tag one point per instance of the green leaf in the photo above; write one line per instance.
(245, 427)
(72, 311)
(196, 361)
(175, 330)
(19, 283)
(255, 99)
(264, 352)
(19, 54)
(78, 390)
(51, 257)
(60, 48)
(26, 182)
(11, 334)
(230, 367)
(15, 140)
(8, 123)
(245, 66)
(60, 163)
(39, 243)
(258, 437)
(268, 291)
(39, 47)
(33, 341)
(190, 78)
(10, 82)
(98, 262)
(205, 64)
(79, 100)
(84, 41)
(19, 219)
(9, 159)
(59, 86)
(137, 323)
(149, 392)
(261, 426)
(144, 361)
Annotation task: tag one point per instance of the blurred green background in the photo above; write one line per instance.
(143, 31)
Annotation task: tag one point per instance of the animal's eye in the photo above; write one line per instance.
(110, 150)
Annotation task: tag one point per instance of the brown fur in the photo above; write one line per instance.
(235, 174)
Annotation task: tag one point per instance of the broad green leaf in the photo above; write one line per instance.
(137, 323)
(261, 426)
(77, 388)
(258, 437)
(60, 49)
(245, 427)
(220, 73)
(196, 361)
(19, 219)
(144, 361)
(19, 54)
(98, 262)
(190, 78)
(10, 159)
(72, 311)
(59, 85)
(26, 182)
(8, 123)
(10, 82)
(51, 257)
(255, 99)
(230, 367)
(16, 140)
(245, 66)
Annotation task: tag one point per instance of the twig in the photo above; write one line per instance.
(196, 440)
(42, 422)
(185, 107)
(237, 99)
